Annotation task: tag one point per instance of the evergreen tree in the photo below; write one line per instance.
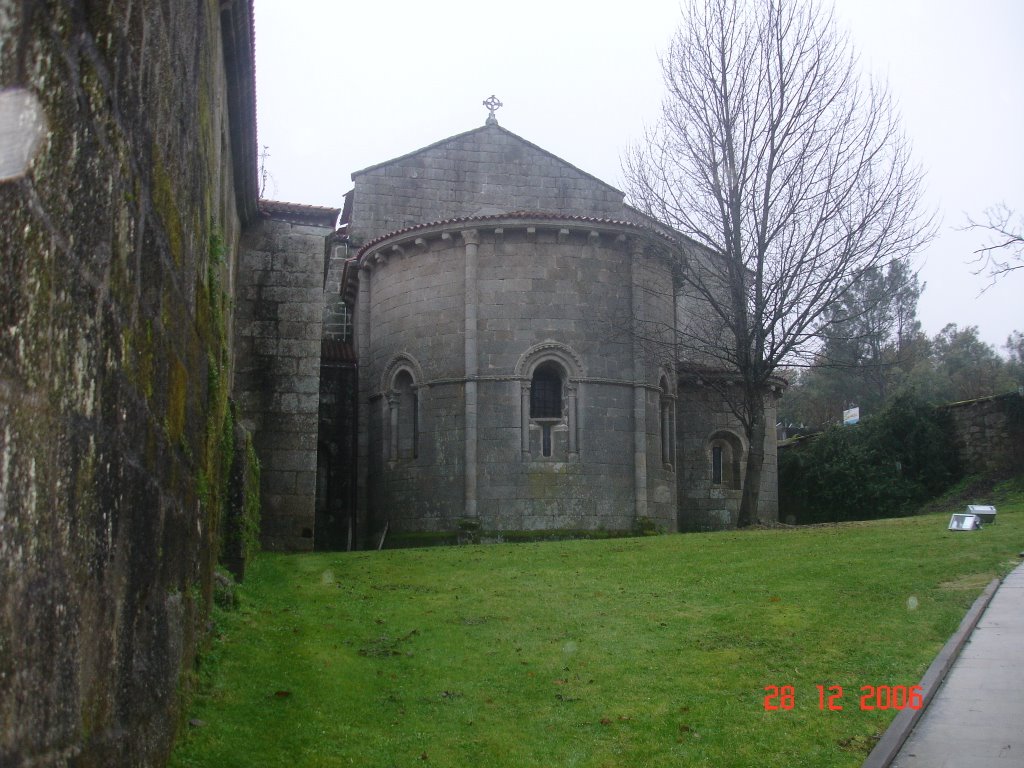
(1015, 347)
(872, 341)
(967, 367)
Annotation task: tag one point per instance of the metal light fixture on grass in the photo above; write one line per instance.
(985, 512)
(963, 522)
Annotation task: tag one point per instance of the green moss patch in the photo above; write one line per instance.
(166, 205)
(177, 392)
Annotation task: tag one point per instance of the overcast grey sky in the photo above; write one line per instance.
(341, 86)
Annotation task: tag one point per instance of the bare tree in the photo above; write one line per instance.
(789, 171)
(1005, 250)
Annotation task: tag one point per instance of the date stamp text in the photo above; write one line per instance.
(832, 698)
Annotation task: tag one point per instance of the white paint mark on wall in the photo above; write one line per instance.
(22, 129)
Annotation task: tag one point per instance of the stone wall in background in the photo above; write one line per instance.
(117, 260)
(336, 454)
(278, 330)
(990, 433)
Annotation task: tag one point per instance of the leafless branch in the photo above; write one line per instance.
(790, 174)
(1005, 250)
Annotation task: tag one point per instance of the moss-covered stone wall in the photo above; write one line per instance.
(117, 259)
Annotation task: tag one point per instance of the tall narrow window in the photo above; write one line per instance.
(546, 403)
(345, 322)
(546, 392)
(726, 453)
(545, 440)
(408, 416)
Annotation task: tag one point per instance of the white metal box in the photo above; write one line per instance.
(985, 512)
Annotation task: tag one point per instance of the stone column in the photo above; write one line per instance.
(472, 240)
(392, 452)
(362, 331)
(573, 449)
(636, 251)
(525, 418)
(666, 427)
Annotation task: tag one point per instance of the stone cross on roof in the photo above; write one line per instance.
(492, 103)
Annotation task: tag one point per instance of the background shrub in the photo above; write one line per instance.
(884, 467)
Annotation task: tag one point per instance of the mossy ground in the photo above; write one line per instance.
(650, 651)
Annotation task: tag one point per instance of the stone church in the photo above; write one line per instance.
(478, 344)
(469, 348)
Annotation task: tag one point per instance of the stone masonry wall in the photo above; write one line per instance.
(337, 319)
(989, 434)
(566, 287)
(703, 506)
(336, 455)
(278, 329)
(484, 171)
(117, 251)
(420, 290)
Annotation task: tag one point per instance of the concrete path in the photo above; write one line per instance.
(976, 719)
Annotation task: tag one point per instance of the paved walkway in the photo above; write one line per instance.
(976, 719)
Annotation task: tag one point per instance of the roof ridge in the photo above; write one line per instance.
(482, 128)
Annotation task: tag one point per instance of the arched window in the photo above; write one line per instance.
(400, 387)
(407, 416)
(546, 392)
(725, 451)
(549, 374)
(546, 401)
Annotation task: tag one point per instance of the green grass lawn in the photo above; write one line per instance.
(625, 652)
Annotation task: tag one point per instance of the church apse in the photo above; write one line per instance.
(502, 376)
(523, 406)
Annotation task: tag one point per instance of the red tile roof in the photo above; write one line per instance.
(314, 215)
(535, 215)
(333, 351)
